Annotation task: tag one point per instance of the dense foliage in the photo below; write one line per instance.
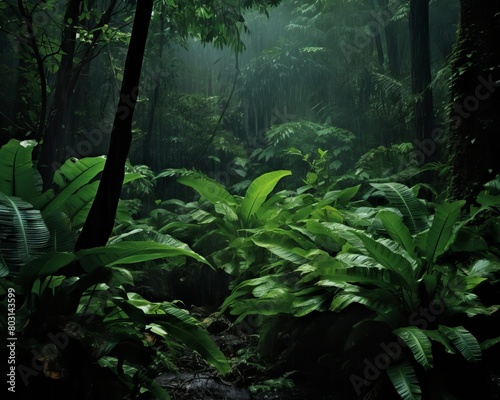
(282, 222)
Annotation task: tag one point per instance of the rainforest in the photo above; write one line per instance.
(250, 199)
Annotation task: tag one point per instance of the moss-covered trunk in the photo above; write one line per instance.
(475, 106)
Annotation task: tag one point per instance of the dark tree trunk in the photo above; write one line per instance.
(100, 221)
(421, 80)
(55, 136)
(149, 157)
(391, 39)
(475, 108)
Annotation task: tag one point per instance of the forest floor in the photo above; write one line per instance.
(250, 381)
(246, 381)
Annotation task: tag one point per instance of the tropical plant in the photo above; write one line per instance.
(402, 268)
(77, 315)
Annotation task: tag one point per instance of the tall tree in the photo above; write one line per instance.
(474, 113)
(421, 74)
(54, 131)
(101, 218)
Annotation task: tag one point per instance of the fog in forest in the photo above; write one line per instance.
(250, 199)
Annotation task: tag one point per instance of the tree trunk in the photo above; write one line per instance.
(421, 80)
(474, 113)
(391, 39)
(100, 221)
(55, 136)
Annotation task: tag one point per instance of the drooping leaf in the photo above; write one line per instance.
(179, 325)
(23, 233)
(440, 233)
(73, 175)
(464, 341)
(419, 344)
(403, 198)
(131, 252)
(210, 190)
(397, 230)
(439, 337)
(389, 258)
(404, 380)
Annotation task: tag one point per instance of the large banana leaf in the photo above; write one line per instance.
(464, 341)
(69, 179)
(440, 233)
(258, 191)
(152, 236)
(379, 300)
(419, 344)
(131, 252)
(398, 231)
(23, 233)
(403, 198)
(389, 258)
(404, 379)
(210, 190)
(285, 244)
(18, 178)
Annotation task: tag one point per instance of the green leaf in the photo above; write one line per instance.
(398, 231)
(23, 233)
(439, 337)
(419, 344)
(131, 252)
(403, 198)
(45, 265)
(184, 328)
(70, 178)
(210, 190)
(405, 381)
(389, 258)
(17, 175)
(489, 343)
(464, 341)
(258, 191)
(440, 234)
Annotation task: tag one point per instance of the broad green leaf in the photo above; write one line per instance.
(419, 344)
(210, 190)
(403, 198)
(440, 233)
(258, 191)
(390, 259)
(398, 231)
(404, 380)
(70, 178)
(131, 252)
(439, 337)
(184, 328)
(17, 175)
(23, 233)
(45, 265)
(464, 341)
(282, 243)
